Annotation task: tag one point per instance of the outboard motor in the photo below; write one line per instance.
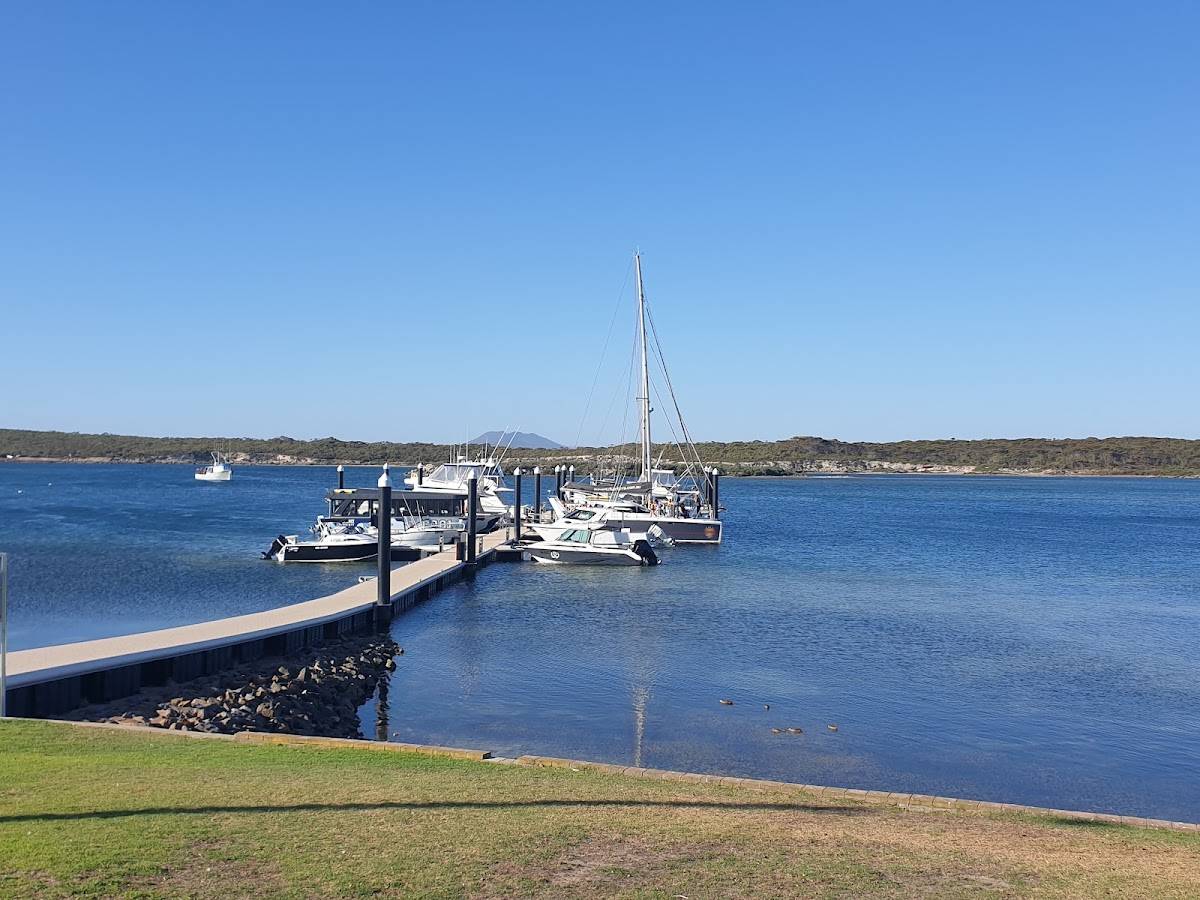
(276, 545)
(643, 549)
(660, 536)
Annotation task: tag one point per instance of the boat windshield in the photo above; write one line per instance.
(609, 539)
(576, 536)
(458, 473)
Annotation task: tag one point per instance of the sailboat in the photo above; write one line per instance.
(656, 501)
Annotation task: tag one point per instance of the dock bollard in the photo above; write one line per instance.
(472, 500)
(558, 470)
(571, 479)
(708, 486)
(383, 594)
(517, 505)
(537, 493)
(716, 493)
(341, 477)
(420, 474)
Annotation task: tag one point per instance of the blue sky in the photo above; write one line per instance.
(858, 220)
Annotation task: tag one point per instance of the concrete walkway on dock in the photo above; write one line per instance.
(43, 664)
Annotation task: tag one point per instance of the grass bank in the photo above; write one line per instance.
(104, 813)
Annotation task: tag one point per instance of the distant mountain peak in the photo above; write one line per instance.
(525, 440)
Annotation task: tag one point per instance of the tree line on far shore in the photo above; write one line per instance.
(796, 455)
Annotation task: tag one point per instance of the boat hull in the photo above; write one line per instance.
(324, 553)
(559, 556)
(678, 530)
(683, 531)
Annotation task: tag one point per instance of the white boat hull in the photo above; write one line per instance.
(675, 528)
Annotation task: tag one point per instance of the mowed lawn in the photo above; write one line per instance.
(113, 813)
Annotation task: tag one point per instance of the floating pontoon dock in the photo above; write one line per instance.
(45, 681)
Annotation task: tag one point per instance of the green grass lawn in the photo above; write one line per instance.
(113, 813)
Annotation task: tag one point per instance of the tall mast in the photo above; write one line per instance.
(644, 399)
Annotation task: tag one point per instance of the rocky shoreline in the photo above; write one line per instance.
(315, 692)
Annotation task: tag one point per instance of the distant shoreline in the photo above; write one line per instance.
(794, 456)
(848, 473)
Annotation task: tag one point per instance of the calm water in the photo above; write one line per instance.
(1028, 640)
(99, 550)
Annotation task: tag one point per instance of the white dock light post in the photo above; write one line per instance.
(716, 493)
(571, 479)
(558, 482)
(420, 474)
(341, 478)
(383, 595)
(708, 485)
(537, 493)
(3, 635)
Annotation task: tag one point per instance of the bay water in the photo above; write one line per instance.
(1030, 640)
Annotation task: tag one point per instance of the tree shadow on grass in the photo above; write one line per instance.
(431, 805)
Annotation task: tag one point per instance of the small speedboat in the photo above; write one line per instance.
(347, 544)
(594, 547)
(219, 470)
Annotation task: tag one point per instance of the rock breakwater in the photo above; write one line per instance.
(315, 692)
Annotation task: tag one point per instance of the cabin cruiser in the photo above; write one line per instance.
(594, 547)
(589, 516)
(453, 478)
(422, 532)
(218, 470)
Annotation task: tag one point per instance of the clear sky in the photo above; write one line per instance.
(414, 220)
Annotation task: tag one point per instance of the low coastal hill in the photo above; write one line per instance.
(793, 456)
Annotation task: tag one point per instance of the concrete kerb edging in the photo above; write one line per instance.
(267, 737)
(328, 743)
(891, 798)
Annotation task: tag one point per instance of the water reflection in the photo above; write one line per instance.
(382, 707)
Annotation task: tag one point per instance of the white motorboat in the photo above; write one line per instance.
(356, 540)
(218, 470)
(594, 547)
(453, 478)
(424, 531)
